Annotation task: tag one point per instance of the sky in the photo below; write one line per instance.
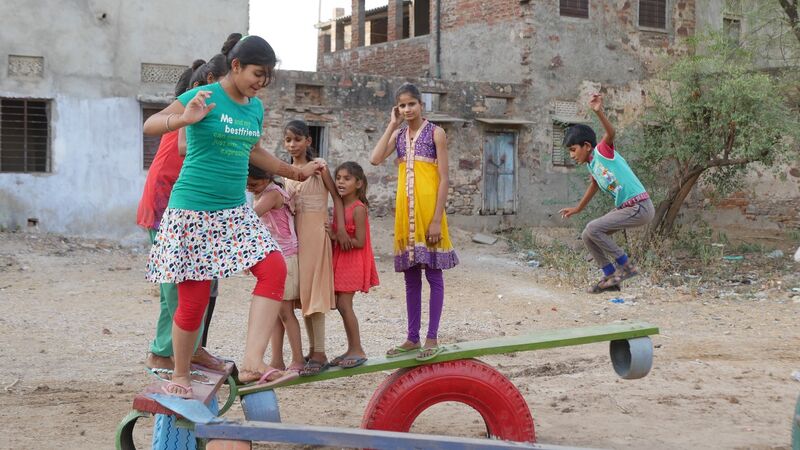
(289, 27)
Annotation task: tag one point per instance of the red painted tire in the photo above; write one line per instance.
(406, 393)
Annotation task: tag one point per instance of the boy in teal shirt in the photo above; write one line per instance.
(611, 173)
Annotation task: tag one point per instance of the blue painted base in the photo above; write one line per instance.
(167, 436)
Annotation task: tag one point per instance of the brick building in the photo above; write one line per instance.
(550, 55)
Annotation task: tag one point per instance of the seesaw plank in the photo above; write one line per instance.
(473, 349)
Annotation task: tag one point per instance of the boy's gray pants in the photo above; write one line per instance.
(597, 234)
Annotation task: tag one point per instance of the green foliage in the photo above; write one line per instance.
(712, 115)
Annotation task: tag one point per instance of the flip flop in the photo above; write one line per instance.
(335, 361)
(400, 351)
(434, 352)
(287, 375)
(295, 368)
(354, 362)
(162, 375)
(188, 394)
(313, 368)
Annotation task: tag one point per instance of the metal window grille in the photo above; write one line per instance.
(574, 8)
(653, 13)
(149, 143)
(559, 154)
(24, 135)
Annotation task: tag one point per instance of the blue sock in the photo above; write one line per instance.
(622, 260)
(608, 269)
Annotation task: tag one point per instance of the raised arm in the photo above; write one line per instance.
(177, 116)
(385, 145)
(596, 103)
(261, 158)
(434, 234)
(338, 211)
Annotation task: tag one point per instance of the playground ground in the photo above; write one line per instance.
(77, 316)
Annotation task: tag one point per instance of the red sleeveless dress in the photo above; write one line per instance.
(354, 270)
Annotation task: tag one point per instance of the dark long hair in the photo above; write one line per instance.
(217, 66)
(355, 170)
(410, 89)
(252, 50)
(183, 83)
(300, 128)
(258, 173)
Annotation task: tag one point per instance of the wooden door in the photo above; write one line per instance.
(499, 166)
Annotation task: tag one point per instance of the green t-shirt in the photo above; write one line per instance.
(214, 173)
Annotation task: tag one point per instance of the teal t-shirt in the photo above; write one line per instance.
(214, 173)
(615, 177)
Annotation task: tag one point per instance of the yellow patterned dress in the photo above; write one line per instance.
(417, 188)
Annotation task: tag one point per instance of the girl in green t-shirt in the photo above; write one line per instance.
(208, 231)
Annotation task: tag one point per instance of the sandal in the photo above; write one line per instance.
(335, 361)
(313, 368)
(186, 394)
(264, 381)
(606, 283)
(626, 271)
(400, 351)
(429, 353)
(349, 363)
(165, 375)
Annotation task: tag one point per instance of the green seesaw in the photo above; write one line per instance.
(413, 387)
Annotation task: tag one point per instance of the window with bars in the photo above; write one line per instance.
(653, 14)
(560, 154)
(574, 8)
(24, 135)
(149, 143)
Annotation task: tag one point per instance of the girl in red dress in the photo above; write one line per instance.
(353, 270)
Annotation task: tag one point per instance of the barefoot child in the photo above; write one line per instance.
(612, 174)
(420, 226)
(314, 248)
(207, 231)
(273, 206)
(353, 270)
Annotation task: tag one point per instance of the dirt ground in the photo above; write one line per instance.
(77, 316)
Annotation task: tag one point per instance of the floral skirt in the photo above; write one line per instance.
(203, 245)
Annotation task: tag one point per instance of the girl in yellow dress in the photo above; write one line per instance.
(421, 240)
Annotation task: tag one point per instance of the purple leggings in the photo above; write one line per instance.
(414, 301)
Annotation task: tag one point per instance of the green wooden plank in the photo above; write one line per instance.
(473, 349)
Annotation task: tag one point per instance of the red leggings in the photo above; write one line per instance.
(270, 275)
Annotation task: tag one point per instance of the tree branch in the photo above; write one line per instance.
(791, 11)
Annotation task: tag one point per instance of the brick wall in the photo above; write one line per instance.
(406, 58)
(457, 13)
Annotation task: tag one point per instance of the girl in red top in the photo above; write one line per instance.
(353, 270)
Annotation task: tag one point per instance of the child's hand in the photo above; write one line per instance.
(344, 240)
(311, 169)
(596, 102)
(567, 212)
(395, 120)
(197, 109)
(434, 234)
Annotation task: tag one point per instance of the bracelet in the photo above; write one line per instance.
(167, 124)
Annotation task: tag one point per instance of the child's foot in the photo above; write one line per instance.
(430, 350)
(403, 349)
(606, 283)
(154, 361)
(314, 367)
(203, 358)
(296, 366)
(626, 271)
(350, 359)
(179, 387)
(278, 364)
(247, 376)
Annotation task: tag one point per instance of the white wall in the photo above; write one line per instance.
(92, 75)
